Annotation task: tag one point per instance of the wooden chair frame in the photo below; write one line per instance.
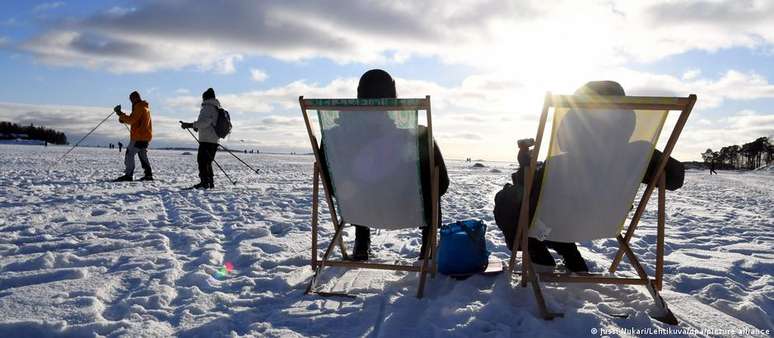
(682, 104)
(318, 264)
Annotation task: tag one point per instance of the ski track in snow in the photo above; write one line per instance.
(83, 257)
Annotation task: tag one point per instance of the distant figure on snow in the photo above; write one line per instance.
(208, 139)
(140, 136)
(712, 168)
(120, 147)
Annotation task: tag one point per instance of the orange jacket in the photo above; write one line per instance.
(140, 120)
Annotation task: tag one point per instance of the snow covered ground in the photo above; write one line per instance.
(83, 257)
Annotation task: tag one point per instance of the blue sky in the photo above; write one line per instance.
(486, 64)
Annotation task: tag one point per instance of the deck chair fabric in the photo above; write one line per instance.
(373, 163)
(372, 156)
(600, 148)
(595, 162)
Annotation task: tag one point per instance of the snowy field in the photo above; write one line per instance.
(80, 257)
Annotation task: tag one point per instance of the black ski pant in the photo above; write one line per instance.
(204, 158)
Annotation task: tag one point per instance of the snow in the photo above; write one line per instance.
(83, 257)
(766, 168)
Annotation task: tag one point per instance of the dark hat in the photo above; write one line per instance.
(605, 88)
(376, 84)
(208, 94)
(134, 96)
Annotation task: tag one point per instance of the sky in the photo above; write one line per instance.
(486, 64)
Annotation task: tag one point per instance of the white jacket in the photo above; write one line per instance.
(208, 116)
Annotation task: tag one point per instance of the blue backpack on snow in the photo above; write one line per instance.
(463, 248)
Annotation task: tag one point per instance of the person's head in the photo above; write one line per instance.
(134, 97)
(208, 94)
(618, 125)
(376, 84)
(603, 88)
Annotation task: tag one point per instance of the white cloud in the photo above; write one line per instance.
(47, 6)
(258, 75)
(742, 127)
(486, 113)
(691, 74)
(480, 117)
(528, 39)
(731, 85)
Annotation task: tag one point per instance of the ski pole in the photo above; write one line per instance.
(81, 140)
(213, 160)
(240, 160)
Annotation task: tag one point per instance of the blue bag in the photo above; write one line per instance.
(463, 248)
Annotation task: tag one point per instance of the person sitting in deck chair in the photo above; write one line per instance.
(579, 153)
(508, 200)
(378, 84)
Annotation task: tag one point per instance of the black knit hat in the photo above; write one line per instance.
(604, 88)
(376, 84)
(208, 94)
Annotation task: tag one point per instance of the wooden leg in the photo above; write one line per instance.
(533, 279)
(666, 316)
(337, 225)
(515, 245)
(315, 212)
(422, 277)
(425, 266)
(430, 245)
(635, 221)
(436, 246)
(436, 222)
(326, 256)
(660, 233)
(525, 259)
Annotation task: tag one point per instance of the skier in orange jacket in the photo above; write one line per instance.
(140, 136)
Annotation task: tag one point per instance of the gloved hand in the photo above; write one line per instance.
(117, 110)
(186, 125)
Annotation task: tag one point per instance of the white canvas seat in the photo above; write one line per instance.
(595, 162)
(370, 151)
(373, 163)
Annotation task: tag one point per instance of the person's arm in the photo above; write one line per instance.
(133, 117)
(443, 177)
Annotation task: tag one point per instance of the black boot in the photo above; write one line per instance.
(362, 243)
(538, 253)
(125, 178)
(211, 183)
(201, 185)
(572, 258)
(147, 178)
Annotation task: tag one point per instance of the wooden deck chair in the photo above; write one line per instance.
(371, 151)
(599, 152)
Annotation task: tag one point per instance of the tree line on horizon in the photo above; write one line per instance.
(747, 156)
(33, 132)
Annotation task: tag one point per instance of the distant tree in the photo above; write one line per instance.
(723, 157)
(34, 133)
(708, 156)
(770, 151)
(733, 152)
